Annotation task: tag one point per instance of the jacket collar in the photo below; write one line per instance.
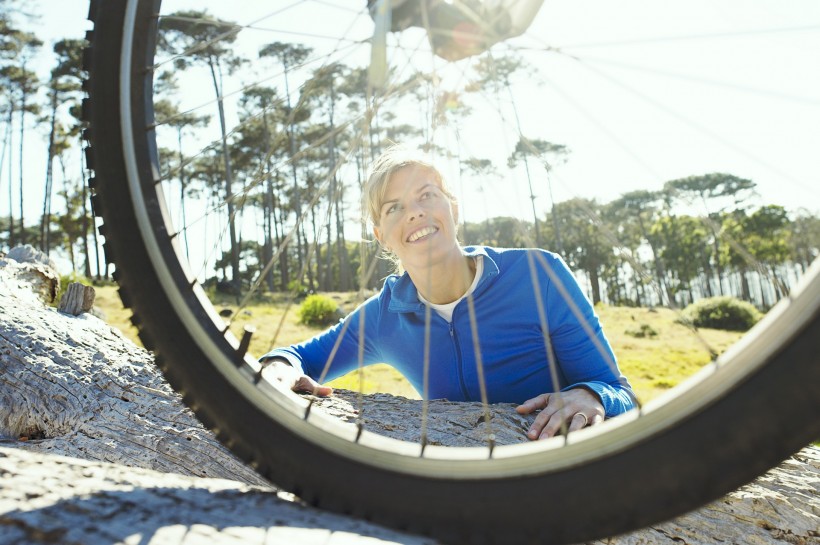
(404, 296)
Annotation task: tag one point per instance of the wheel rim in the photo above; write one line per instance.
(781, 324)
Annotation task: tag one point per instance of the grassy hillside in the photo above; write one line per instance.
(653, 363)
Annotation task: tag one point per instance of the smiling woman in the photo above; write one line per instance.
(415, 219)
(467, 323)
(391, 187)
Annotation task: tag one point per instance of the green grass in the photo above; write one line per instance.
(653, 364)
(107, 301)
(265, 314)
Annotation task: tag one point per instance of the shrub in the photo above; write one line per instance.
(318, 310)
(296, 287)
(726, 313)
(644, 330)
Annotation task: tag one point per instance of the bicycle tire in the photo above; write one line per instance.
(625, 474)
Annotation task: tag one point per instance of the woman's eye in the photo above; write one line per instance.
(392, 209)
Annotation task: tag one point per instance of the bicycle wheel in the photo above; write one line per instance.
(757, 404)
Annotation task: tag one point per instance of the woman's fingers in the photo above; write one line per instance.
(596, 419)
(550, 425)
(533, 404)
(307, 385)
(285, 373)
(575, 409)
(578, 421)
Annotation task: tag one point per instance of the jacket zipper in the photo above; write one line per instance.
(459, 361)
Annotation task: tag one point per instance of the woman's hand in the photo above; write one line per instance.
(578, 408)
(284, 372)
(306, 385)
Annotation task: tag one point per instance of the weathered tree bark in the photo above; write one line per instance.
(39, 278)
(74, 386)
(53, 499)
(77, 299)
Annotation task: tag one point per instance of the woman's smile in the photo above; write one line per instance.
(422, 233)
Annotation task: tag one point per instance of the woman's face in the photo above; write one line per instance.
(417, 220)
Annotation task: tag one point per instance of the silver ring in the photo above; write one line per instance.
(586, 420)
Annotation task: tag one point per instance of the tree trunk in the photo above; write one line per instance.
(267, 215)
(595, 285)
(22, 160)
(229, 198)
(182, 185)
(73, 386)
(325, 279)
(267, 206)
(278, 237)
(706, 279)
(305, 268)
(45, 221)
(331, 198)
(297, 192)
(764, 302)
(746, 293)
(345, 283)
(778, 285)
(7, 145)
(94, 228)
(86, 256)
(718, 269)
(660, 273)
(69, 241)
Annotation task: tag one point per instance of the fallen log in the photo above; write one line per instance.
(74, 386)
(47, 499)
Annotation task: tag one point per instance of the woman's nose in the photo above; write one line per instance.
(414, 212)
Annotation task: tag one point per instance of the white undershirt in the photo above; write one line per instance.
(446, 310)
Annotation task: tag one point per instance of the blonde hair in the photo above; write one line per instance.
(392, 160)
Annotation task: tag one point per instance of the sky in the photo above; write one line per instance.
(641, 92)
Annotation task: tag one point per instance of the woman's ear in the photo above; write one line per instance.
(378, 235)
(454, 209)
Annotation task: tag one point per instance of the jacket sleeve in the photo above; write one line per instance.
(582, 350)
(335, 351)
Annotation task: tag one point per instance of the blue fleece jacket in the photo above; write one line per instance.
(506, 337)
